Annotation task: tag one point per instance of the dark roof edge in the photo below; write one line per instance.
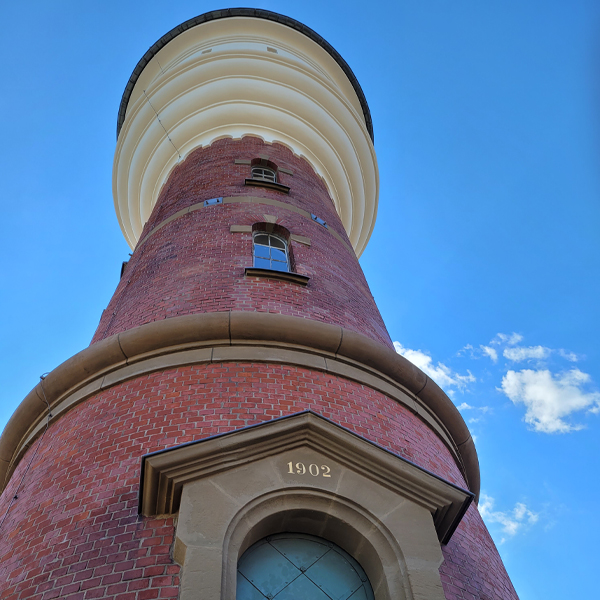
(243, 12)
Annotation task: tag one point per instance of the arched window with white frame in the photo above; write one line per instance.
(270, 252)
(263, 173)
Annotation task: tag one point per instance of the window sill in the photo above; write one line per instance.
(281, 275)
(268, 184)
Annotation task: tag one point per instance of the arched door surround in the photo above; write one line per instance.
(302, 474)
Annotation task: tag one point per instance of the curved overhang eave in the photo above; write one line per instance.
(233, 337)
(243, 12)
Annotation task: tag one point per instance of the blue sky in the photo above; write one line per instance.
(484, 259)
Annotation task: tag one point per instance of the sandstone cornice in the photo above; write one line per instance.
(237, 76)
(242, 12)
(164, 473)
(237, 336)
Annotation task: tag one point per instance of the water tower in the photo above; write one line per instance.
(240, 426)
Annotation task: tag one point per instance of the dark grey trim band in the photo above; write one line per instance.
(243, 12)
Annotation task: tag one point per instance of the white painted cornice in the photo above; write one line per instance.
(218, 79)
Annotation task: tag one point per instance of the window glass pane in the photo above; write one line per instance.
(261, 251)
(279, 266)
(278, 255)
(270, 252)
(262, 263)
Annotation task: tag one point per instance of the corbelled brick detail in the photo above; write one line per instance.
(74, 531)
(195, 264)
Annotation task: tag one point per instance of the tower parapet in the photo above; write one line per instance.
(242, 72)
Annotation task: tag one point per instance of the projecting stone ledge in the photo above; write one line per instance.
(235, 336)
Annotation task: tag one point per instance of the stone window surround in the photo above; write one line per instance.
(233, 489)
(263, 163)
(245, 161)
(270, 227)
(248, 229)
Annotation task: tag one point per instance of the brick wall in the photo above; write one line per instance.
(74, 532)
(194, 263)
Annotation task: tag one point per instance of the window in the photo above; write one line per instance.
(270, 252)
(264, 174)
(294, 566)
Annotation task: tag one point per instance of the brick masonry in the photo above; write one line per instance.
(194, 263)
(74, 532)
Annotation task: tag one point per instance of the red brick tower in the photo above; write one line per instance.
(241, 383)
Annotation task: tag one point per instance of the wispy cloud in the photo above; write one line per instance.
(521, 353)
(511, 522)
(439, 372)
(465, 406)
(570, 356)
(491, 352)
(550, 399)
(515, 353)
(509, 339)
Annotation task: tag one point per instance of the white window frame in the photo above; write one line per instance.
(264, 173)
(271, 236)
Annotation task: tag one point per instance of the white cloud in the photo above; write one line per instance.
(514, 352)
(508, 339)
(491, 352)
(570, 356)
(521, 353)
(512, 521)
(466, 349)
(550, 399)
(440, 373)
(465, 406)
